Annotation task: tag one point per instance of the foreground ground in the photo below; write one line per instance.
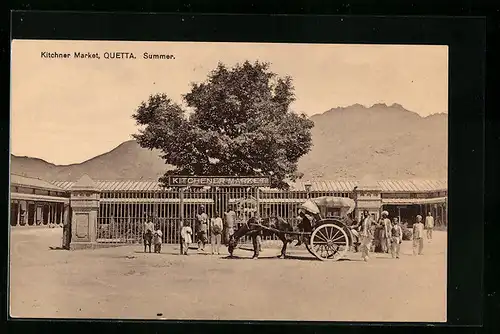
(125, 283)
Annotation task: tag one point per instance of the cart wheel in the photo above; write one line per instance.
(309, 248)
(329, 242)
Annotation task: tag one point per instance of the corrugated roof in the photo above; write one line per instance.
(281, 200)
(20, 180)
(157, 200)
(385, 185)
(66, 185)
(316, 186)
(322, 186)
(110, 185)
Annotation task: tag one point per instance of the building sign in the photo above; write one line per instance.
(219, 181)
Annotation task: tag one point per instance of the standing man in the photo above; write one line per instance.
(366, 235)
(216, 233)
(418, 236)
(66, 227)
(396, 238)
(202, 227)
(230, 217)
(148, 233)
(385, 238)
(429, 226)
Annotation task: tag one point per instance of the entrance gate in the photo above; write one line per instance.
(123, 213)
(221, 194)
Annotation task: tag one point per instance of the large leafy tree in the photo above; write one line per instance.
(239, 124)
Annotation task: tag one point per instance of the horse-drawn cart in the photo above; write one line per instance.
(331, 237)
(328, 238)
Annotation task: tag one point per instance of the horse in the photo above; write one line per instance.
(148, 240)
(253, 228)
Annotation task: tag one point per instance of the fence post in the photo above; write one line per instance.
(257, 200)
(181, 216)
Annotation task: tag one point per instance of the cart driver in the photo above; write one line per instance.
(306, 222)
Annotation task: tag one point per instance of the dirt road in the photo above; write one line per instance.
(125, 283)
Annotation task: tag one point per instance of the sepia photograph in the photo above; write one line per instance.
(228, 181)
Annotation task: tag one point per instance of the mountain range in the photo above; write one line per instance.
(384, 142)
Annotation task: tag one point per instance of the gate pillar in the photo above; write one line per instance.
(84, 209)
(367, 196)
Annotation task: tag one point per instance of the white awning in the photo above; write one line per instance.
(412, 201)
(39, 198)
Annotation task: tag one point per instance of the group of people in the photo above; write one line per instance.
(383, 234)
(152, 236)
(206, 228)
(389, 235)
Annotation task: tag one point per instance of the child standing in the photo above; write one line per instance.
(186, 233)
(157, 240)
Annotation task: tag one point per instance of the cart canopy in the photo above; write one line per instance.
(310, 207)
(346, 204)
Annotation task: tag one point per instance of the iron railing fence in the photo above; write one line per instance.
(122, 214)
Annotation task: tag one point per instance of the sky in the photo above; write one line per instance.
(69, 110)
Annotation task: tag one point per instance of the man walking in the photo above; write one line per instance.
(429, 226)
(418, 234)
(396, 238)
(385, 237)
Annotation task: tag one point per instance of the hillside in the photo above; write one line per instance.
(386, 142)
(127, 161)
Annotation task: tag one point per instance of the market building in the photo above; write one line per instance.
(36, 202)
(113, 211)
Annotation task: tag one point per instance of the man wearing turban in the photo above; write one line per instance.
(418, 236)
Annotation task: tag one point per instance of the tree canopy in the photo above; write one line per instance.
(239, 124)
